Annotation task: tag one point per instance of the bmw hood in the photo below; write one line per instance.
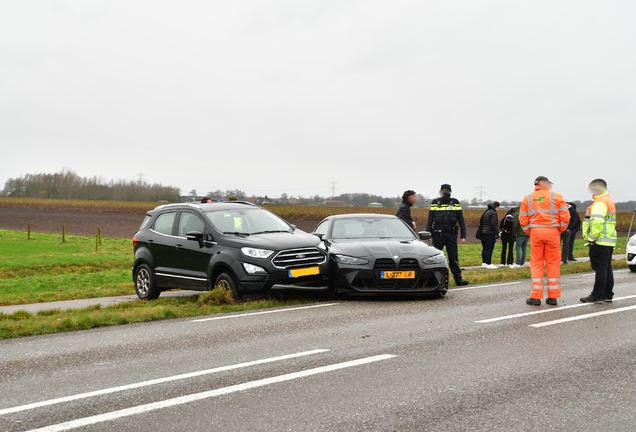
(384, 249)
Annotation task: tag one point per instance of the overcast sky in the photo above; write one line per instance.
(287, 96)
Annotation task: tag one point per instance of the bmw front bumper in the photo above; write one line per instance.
(363, 279)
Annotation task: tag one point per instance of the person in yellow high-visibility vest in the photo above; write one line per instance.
(599, 232)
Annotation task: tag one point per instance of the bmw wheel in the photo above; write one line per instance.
(145, 283)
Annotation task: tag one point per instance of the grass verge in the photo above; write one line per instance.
(478, 277)
(22, 323)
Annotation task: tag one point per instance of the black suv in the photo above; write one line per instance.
(235, 245)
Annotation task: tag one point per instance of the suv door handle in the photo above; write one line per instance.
(179, 247)
(150, 241)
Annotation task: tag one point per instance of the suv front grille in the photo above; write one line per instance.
(299, 258)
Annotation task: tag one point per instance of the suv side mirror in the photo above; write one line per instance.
(320, 236)
(425, 235)
(195, 235)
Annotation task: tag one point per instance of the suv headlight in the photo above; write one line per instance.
(252, 269)
(632, 241)
(256, 253)
(344, 259)
(435, 259)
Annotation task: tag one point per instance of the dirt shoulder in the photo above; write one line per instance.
(116, 225)
(121, 225)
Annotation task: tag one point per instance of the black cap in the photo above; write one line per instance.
(446, 186)
(540, 179)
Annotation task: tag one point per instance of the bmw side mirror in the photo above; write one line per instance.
(320, 236)
(425, 235)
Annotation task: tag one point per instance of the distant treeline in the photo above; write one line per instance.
(69, 185)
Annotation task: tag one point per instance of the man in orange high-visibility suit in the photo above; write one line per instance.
(544, 215)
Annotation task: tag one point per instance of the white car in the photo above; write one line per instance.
(631, 253)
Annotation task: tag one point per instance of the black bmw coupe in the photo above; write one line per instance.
(375, 253)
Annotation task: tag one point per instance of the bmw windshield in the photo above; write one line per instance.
(371, 229)
(249, 221)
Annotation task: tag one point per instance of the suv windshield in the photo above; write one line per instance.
(247, 221)
(371, 229)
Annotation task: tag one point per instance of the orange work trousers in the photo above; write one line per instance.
(545, 250)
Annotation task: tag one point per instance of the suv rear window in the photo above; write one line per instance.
(145, 222)
(164, 222)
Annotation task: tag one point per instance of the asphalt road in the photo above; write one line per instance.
(464, 363)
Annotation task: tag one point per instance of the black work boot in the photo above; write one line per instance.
(551, 301)
(591, 299)
(533, 302)
(461, 282)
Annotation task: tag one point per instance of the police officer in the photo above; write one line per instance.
(443, 217)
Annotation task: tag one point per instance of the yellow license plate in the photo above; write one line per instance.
(397, 275)
(309, 271)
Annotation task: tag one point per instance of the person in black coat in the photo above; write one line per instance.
(404, 209)
(445, 220)
(507, 238)
(573, 228)
(489, 232)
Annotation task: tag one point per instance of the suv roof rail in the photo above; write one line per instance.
(193, 205)
(241, 202)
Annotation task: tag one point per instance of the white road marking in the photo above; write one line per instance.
(73, 424)
(484, 286)
(263, 312)
(580, 317)
(157, 381)
(594, 274)
(542, 311)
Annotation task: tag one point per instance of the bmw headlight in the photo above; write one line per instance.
(632, 241)
(252, 269)
(256, 253)
(435, 259)
(344, 259)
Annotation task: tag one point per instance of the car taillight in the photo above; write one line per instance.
(134, 241)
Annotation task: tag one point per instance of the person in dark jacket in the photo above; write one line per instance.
(443, 218)
(404, 209)
(489, 234)
(507, 238)
(521, 240)
(574, 227)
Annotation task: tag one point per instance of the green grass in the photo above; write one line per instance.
(217, 301)
(45, 269)
(48, 250)
(65, 286)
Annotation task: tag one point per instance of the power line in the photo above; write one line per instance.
(481, 191)
(333, 188)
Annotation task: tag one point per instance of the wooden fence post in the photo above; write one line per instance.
(97, 243)
(99, 233)
(29, 231)
(63, 234)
